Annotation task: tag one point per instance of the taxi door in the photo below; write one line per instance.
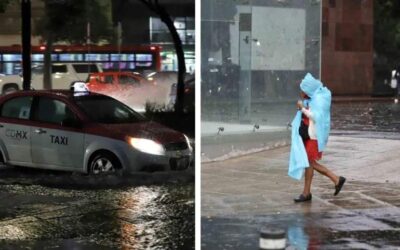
(15, 131)
(57, 140)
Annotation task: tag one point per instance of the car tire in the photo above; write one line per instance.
(9, 90)
(2, 161)
(105, 163)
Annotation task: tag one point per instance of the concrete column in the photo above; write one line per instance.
(245, 41)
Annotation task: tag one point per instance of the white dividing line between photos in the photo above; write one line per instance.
(197, 126)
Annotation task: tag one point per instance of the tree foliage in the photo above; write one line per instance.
(387, 30)
(3, 5)
(66, 20)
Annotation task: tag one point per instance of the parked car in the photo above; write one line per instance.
(62, 76)
(189, 95)
(105, 82)
(128, 87)
(84, 132)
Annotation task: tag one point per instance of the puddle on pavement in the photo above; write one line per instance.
(56, 210)
(312, 231)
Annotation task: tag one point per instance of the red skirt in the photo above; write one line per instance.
(312, 150)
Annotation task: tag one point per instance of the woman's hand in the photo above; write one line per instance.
(300, 104)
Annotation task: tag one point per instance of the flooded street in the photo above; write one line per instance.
(58, 210)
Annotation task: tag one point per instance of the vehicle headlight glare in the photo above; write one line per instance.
(147, 146)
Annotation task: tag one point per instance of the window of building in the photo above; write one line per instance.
(159, 32)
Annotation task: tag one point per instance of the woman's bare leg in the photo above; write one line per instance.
(325, 171)
(307, 180)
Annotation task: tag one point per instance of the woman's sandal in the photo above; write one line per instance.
(339, 186)
(303, 198)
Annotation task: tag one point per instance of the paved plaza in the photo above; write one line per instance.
(242, 195)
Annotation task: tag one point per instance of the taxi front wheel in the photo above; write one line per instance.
(104, 163)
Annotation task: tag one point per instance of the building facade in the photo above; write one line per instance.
(140, 25)
(254, 54)
(347, 46)
(10, 23)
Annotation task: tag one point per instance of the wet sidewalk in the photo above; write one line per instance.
(242, 195)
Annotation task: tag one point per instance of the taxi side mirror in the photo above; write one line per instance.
(72, 123)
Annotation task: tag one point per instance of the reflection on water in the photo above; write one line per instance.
(297, 237)
(102, 213)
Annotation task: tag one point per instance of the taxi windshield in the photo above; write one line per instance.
(104, 109)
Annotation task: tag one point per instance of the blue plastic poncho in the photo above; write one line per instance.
(320, 105)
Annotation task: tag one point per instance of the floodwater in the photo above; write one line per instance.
(58, 210)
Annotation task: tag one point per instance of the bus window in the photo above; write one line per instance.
(71, 57)
(12, 57)
(97, 57)
(122, 57)
(144, 57)
(37, 57)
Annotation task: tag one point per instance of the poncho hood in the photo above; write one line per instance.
(310, 85)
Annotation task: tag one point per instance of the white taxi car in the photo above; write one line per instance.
(85, 132)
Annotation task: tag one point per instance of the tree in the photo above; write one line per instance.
(3, 5)
(387, 31)
(160, 10)
(67, 21)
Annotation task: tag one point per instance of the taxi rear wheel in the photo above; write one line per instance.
(104, 163)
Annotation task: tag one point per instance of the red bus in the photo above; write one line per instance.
(140, 58)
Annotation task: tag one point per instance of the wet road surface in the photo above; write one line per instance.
(57, 210)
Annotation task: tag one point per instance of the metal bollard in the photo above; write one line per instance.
(272, 239)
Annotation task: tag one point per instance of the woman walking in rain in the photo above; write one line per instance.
(310, 132)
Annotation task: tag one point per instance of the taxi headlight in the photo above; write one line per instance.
(147, 146)
(188, 142)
